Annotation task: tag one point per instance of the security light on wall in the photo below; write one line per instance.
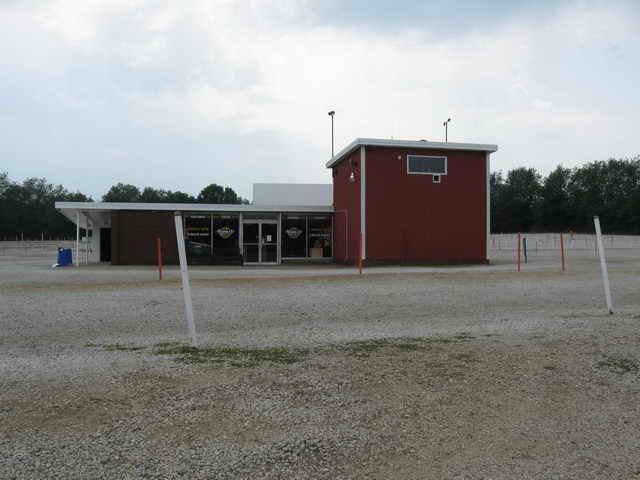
(353, 164)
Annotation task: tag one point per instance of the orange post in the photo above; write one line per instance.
(519, 252)
(562, 251)
(159, 249)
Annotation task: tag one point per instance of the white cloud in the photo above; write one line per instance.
(234, 70)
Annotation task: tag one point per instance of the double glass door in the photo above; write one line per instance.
(260, 241)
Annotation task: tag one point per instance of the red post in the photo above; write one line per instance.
(562, 251)
(360, 255)
(159, 249)
(519, 252)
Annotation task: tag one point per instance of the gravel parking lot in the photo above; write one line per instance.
(473, 372)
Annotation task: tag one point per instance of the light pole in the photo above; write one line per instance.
(446, 129)
(331, 114)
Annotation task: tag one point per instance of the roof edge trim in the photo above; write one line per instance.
(378, 142)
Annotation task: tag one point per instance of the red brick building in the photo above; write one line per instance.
(391, 201)
(411, 201)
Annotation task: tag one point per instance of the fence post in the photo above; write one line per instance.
(184, 272)
(518, 252)
(603, 264)
(562, 251)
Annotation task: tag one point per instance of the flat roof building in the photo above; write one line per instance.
(391, 201)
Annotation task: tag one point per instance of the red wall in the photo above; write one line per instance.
(346, 201)
(411, 219)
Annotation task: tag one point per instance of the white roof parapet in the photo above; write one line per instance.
(190, 207)
(309, 194)
(417, 144)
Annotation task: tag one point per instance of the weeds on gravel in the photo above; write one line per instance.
(115, 347)
(253, 357)
(233, 356)
(620, 365)
(363, 348)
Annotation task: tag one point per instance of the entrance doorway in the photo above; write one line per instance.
(260, 242)
(105, 244)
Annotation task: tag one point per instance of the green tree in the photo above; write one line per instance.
(214, 193)
(500, 220)
(608, 189)
(555, 212)
(179, 197)
(4, 182)
(122, 193)
(29, 208)
(230, 197)
(153, 195)
(211, 194)
(521, 198)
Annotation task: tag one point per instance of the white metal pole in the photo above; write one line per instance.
(279, 238)
(86, 240)
(78, 238)
(603, 264)
(184, 272)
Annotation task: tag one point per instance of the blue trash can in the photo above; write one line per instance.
(65, 257)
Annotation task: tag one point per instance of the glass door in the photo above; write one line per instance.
(269, 243)
(251, 242)
(260, 242)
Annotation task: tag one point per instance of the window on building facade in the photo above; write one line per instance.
(225, 232)
(294, 236)
(307, 236)
(198, 236)
(320, 237)
(424, 165)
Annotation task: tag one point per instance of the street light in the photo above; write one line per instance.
(331, 114)
(446, 129)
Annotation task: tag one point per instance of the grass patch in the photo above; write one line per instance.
(253, 357)
(231, 356)
(363, 348)
(619, 365)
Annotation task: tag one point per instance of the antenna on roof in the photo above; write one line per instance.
(331, 114)
(446, 129)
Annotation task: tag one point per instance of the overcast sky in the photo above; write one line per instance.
(182, 94)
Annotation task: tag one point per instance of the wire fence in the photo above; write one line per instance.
(34, 248)
(542, 250)
(538, 245)
(551, 241)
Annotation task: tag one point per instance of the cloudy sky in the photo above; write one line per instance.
(181, 94)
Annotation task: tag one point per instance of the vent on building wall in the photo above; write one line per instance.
(436, 178)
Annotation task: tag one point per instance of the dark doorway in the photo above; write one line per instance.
(105, 244)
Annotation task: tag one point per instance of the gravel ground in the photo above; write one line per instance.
(458, 372)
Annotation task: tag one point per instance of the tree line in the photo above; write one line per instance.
(521, 201)
(27, 209)
(212, 193)
(567, 199)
